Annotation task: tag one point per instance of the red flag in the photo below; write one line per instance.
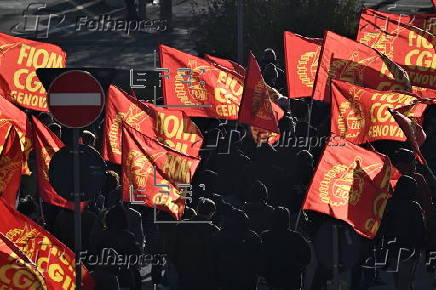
(11, 160)
(18, 272)
(46, 145)
(54, 260)
(234, 67)
(19, 59)
(151, 172)
(10, 114)
(257, 106)
(301, 59)
(172, 128)
(259, 135)
(351, 184)
(357, 64)
(407, 45)
(425, 93)
(209, 90)
(370, 19)
(361, 115)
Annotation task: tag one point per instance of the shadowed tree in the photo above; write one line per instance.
(214, 29)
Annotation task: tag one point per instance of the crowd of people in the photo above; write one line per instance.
(244, 225)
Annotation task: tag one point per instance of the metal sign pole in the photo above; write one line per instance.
(77, 215)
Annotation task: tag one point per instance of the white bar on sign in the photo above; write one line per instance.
(85, 99)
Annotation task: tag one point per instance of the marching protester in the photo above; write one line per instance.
(236, 253)
(117, 240)
(192, 251)
(274, 76)
(407, 231)
(258, 210)
(285, 253)
(88, 138)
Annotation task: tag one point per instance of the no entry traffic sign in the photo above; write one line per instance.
(75, 99)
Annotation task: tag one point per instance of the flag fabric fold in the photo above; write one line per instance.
(19, 59)
(54, 260)
(301, 62)
(233, 67)
(257, 106)
(172, 128)
(153, 174)
(372, 20)
(11, 160)
(204, 88)
(21, 272)
(425, 93)
(361, 115)
(347, 60)
(411, 47)
(351, 184)
(46, 144)
(10, 114)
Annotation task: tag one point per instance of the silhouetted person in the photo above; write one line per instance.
(404, 160)
(193, 252)
(224, 209)
(63, 227)
(112, 183)
(88, 138)
(236, 252)
(300, 111)
(285, 253)
(113, 198)
(403, 223)
(118, 238)
(273, 75)
(301, 177)
(257, 209)
(287, 125)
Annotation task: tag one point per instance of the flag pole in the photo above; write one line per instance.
(297, 222)
(77, 216)
(309, 119)
(41, 209)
